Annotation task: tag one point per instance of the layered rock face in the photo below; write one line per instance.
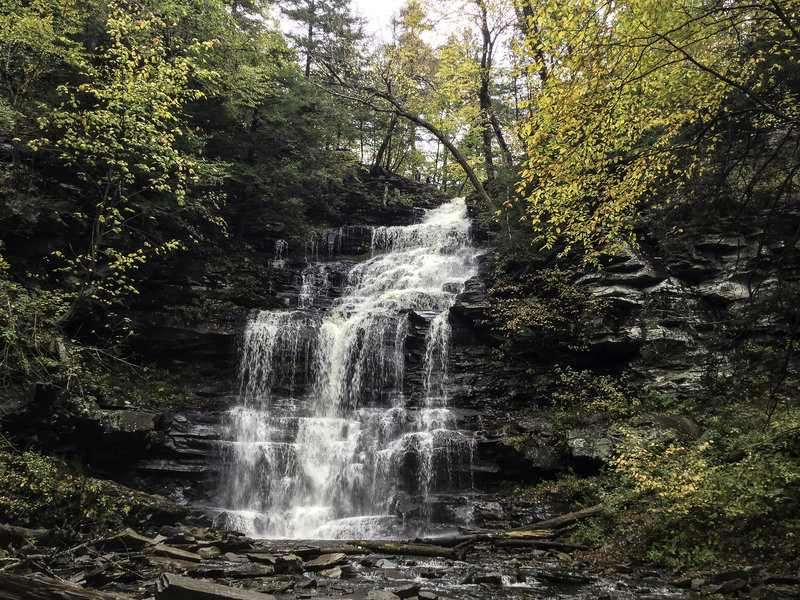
(676, 314)
(672, 310)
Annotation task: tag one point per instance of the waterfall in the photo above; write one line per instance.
(341, 431)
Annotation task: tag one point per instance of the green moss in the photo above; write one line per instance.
(44, 491)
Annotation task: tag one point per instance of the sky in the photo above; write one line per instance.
(378, 14)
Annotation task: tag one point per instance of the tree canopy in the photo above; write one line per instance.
(639, 103)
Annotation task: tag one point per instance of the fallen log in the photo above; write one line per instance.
(11, 534)
(457, 541)
(175, 587)
(18, 587)
(564, 520)
(540, 545)
(406, 548)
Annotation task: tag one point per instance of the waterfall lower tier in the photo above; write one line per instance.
(342, 428)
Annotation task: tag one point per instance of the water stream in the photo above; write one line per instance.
(342, 429)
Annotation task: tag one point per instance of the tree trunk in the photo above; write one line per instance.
(309, 41)
(484, 99)
(385, 143)
(473, 178)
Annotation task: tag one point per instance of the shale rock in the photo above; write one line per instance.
(326, 561)
(289, 564)
(175, 587)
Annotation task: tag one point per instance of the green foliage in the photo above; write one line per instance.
(121, 128)
(35, 42)
(121, 383)
(643, 103)
(42, 491)
(546, 300)
(33, 349)
(684, 490)
(585, 397)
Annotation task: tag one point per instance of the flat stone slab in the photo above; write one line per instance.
(128, 541)
(175, 587)
(171, 552)
(326, 561)
(19, 587)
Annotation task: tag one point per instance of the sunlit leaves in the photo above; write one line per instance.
(123, 130)
(610, 127)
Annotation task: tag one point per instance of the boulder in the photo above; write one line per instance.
(288, 564)
(594, 443)
(334, 573)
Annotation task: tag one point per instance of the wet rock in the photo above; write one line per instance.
(596, 443)
(15, 400)
(729, 576)
(734, 585)
(395, 574)
(431, 574)
(334, 573)
(563, 577)
(125, 431)
(11, 534)
(729, 587)
(385, 563)
(157, 510)
(326, 561)
(209, 552)
(173, 564)
(239, 571)
(698, 583)
(16, 587)
(425, 595)
(289, 564)
(128, 541)
(175, 587)
(306, 552)
(176, 553)
(489, 579)
(233, 557)
(407, 591)
(164, 338)
(238, 544)
(781, 580)
(488, 511)
(266, 559)
(382, 595)
(626, 569)
(307, 584)
(279, 586)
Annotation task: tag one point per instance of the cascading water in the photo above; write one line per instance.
(327, 442)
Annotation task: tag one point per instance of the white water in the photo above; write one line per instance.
(326, 443)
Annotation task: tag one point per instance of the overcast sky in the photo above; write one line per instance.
(378, 14)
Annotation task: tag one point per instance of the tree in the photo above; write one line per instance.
(328, 31)
(35, 42)
(632, 99)
(123, 131)
(402, 83)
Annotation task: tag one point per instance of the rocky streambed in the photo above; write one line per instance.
(180, 562)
